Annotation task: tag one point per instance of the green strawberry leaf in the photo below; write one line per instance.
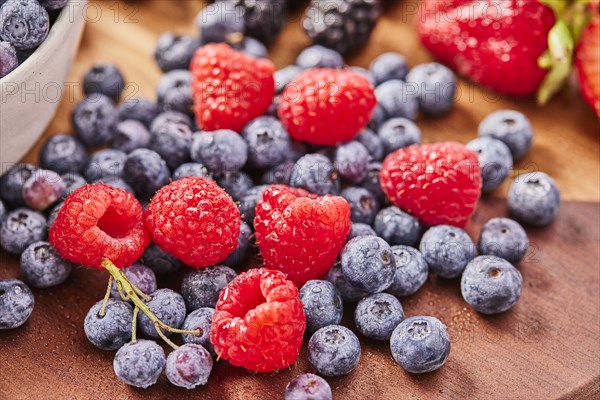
(558, 58)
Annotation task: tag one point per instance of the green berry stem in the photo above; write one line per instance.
(134, 325)
(106, 296)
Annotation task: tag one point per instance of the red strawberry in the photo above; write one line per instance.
(496, 43)
(587, 59)
(230, 88)
(438, 183)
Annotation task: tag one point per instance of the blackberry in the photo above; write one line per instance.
(16, 303)
(175, 51)
(106, 79)
(43, 267)
(20, 228)
(11, 184)
(263, 19)
(94, 120)
(343, 25)
(113, 329)
(363, 205)
(130, 135)
(146, 172)
(222, 21)
(63, 153)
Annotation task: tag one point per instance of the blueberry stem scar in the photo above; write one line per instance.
(106, 297)
(132, 292)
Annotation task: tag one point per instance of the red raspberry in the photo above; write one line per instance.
(326, 106)
(195, 220)
(438, 183)
(259, 322)
(230, 88)
(99, 221)
(300, 233)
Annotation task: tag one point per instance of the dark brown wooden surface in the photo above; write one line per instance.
(547, 346)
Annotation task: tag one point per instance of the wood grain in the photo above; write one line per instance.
(547, 346)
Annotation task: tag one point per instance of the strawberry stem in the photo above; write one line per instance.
(559, 58)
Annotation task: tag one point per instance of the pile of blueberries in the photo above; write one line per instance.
(24, 25)
(140, 145)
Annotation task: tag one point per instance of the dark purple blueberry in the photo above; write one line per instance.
(388, 66)
(42, 266)
(222, 21)
(372, 143)
(285, 76)
(378, 315)
(236, 184)
(279, 174)
(201, 288)
(396, 99)
(397, 227)
(168, 306)
(334, 350)
(175, 51)
(2, 210)
(20, 228)
(351, 162)
(263, 19)
(94, 120)
(165, 119)
(190, 169)
(319, 57)
(248, 203)
(308, 387)
(63, 154)
(172, 140)
(447, 250)
(174, 91)
(322, 304)
(397, 133)
(349, 293)
(130, 135)
(139, 109)
(189, 366)
(511, 127)
(8, 59)
(140, 276)
(54, 213)
(43, 189)
(368, 264)
(364, 72)
(146, 172)
(371, 182)
(504, 238)
(16, 303)
(315, 173)
(113, 329)
(411, 271)
(199, 319)
(106, 79)
(359, 229)
(363, 205)
(252, 47)
(53, 4)
(268, 142)
(139, 363)
(11, 184)
(436, 87)
(116, 183)
(220, 151)
(105, 165)
(240, 253)
(159, 260)
(534, 199)
(495, 161)
(72, 182)
(23, 23)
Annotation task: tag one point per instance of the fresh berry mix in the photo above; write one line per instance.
(96, 222)
(174, 51)
(308, 387)
(447, 250)
(378, 315)
(263, 19)
(236, 184)
(359, 229)
(351, 161)
(420, 344)
(105, 165)
(222, 21)
(190, 169)
(299, 233)
(348, 293)
(396, 99)
(222, 150)
(43, 189)
(146, 172)
(334, 350)
(411, 271)
(444, 180)
(130, 135)
(397, 227)
(172, 140)
(168, 306)
(64, 154)
(322, 304)
(534, 199)
(240, 253)
(42, 266)
(396, 133)
(372, 143)
(111, 330)
(491, 285)
(230, 88)
(104, 79)
(16, 303)
(319, 57)
(195, 220)
(20, 228)
(174, 91)
(249, 201)
(259, 322)
(8, 58)
(138, 109)
(510, 127)
(202, 288)
(343, 25)
(139, 363)
(495, 161)
(159, 260)
(23, 23)
(326, 106)
(268, 142)
(94, 120)
(436, 87)
(11, 184)
(504, 238)
(189, 366)
(387, 67)
(368, 264)
(200, 319)
(140, 276)
(316, 174)
(363, 205)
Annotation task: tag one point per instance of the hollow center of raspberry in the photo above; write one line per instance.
(252, 298)
(113, 224)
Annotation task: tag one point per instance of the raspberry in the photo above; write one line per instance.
(99, 221)
(195, 220)
(300, 233)
(438, 183)
(230, 88)
(259, 322)
(325, 106)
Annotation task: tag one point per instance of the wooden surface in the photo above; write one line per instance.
(547, 346)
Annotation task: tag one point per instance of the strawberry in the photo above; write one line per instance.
(587, 60)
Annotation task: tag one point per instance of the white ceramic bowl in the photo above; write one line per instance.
(30, 95)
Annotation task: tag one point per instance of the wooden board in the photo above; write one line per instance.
(548, 346)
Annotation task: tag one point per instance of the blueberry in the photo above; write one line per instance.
(105, 165)
(397, 227)
(159, 260)
(241, 251)
(251, 47)
(411, 271)
(172, 140)
(397, 133)
(396, 100)
(138, 109)
(63, 153)
(420, 344)
(42, 266)
(371, 182)
(378, 315)
(53, 214)
(174, 91)
(315, 173)
(43, 189)
(268, 142)
(334, 350)
(490, 284)
(220, 151)
(363, 205)
(23, 23)
(235, 183)
(162, 121)
(534, 199)
(8, 59)
(53, 4)
(146, 172)
(189, 366)
(349, 293)
(199, 319)
(168, 306)
(72, 182)
(220, 22)
(365, 73)
(130, 135)
(319, 57)
(2, 211)
(322, 304)
(387, 67)
(202, 288)
(111, 331)
(249, 201)
(20, 228)
(359, 229)
(504, 238)
(140, 276)
(298, 150)
(351, 161)
(447, 250)
(116, 183)
(377, 119)
(139, 363)
(308, 387)
(174, 51)
(280, 174)
(368, 264)
(190, 169)
(11, 184)
(372, 143)
(105, 79)
(510, 127)
(263, 19)
(94, 120)
(495, 161)
(435, 85)
(285, 76)
(16, 303)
